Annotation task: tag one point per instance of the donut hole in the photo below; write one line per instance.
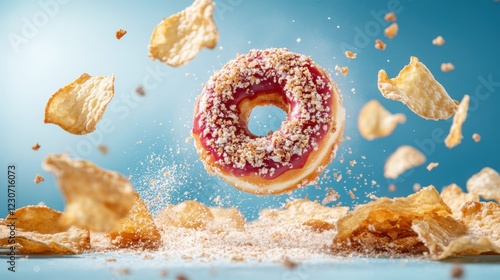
(265, 119)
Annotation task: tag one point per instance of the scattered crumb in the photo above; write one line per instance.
(416, 187)
(438, 41)
(120, 33)
(35, 147)
(123, 271)
(289, 264)
(380, 45)
(476, 137)
(352, 195)
(166, 174)
(391, 31)
(189, 139)
(350, 54)
(446, 67)
(341, 160)
(432, 165)
(148, 257)
(339, 177)
(457, 271)
(237, 259)
(342, 70)
(140, 91)
(392, 188)
(390, 16)
(38, 179)
(103, 149)
(331, 196)
(110, 259)
(352, 162)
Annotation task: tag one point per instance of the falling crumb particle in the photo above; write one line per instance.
(35, 147)
(476, 137)
(166, 174)
(38, 179)
(390, 16)
(181, 277)
(447, 67)
(331, 196)
(350, 54)
(120, 33)
(140, 91)
(339, 177)
(187, 74)
(352, 195)
(432, 165)
(352, 162)
(163, 273)
(380, 45)
(373, 182)
(221, 48)
(348, 138)
(391, 31)
(392, 188)
(416, 187)
(438, 41)
(289, 263)
(457, 271)
(148, 257)
(189, 139)
(341, 160)
(103, 149)
(343, 70)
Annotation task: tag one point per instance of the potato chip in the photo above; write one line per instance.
(137, 229)
(391, 31)
(38, 231)
(454, 197)
(380, 45)
(384, 225)
(78, 106)
(350, 54)
(416, 88)
(438, 41)
(432, 165)
(304, 212)
(390, 16)
(455, 136)
(482, 219)
(188, 214)
(179, 38)
(120, 33)
(227, 219)
(38, 179)
(404, 158)
(447, 67)
(374, 121)
(96, 198)
(486, 184)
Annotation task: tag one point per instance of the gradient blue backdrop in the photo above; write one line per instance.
(47, 44)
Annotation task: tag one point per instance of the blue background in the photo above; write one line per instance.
(146, 136)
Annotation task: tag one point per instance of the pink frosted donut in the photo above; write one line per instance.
(292, 156)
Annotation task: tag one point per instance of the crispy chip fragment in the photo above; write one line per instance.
(432, 165)
(485, 183)
(380, 45)
(350, 54)
(454, 197)
(404, 158)
(304, 212)
(343, 70)
(455, 136)
(96, 198)
(384, 225)
(375, 121)
(438, 41)
(78, 106)
(416, 88)
(179, 38)
(390, 16)
(188, 214)
(38, 231)
(137, 229)
(120, 33)
(391, 31)
(447, 67)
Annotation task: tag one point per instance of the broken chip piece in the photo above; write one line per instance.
(38, 232)
(416, 88)
(374, 121)
(78, 106)
(391, 31)
(137, 229)
(404, 158)
(179, 38)
(485, 183)
(455, 136)
(96, 198)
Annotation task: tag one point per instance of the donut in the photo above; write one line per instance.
(291, 157)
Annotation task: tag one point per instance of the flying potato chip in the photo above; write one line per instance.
(384, 225)
(375, 121)
(227, 219)
(303, 212)
(188, 214)
(38, 231)
(137, 229)
(455, 136)
(416, 88)
(404, 158)
(486, 184)
(454, 197)
(78, 106)
(96, 198)
(179, 38)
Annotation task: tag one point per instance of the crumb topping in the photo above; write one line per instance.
(222, 126)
